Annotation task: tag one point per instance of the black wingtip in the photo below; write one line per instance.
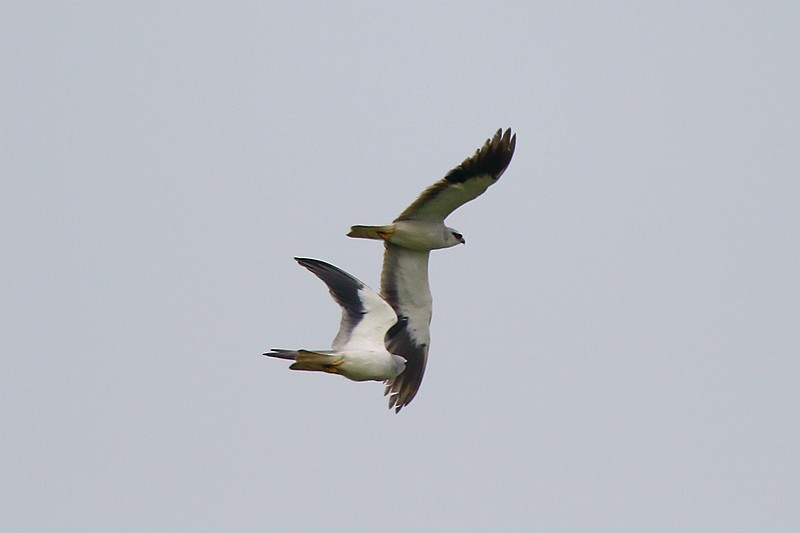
(492, 158)
(342, 286)
(307, 260)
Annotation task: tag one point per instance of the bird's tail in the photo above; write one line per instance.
(317, 361)
(371, 232)
(291, 355)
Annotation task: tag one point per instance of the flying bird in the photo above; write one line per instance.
(359, 352)
(408, 241)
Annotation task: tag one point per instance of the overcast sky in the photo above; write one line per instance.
(614, 350)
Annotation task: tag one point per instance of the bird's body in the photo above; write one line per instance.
(359, 352)
(408, 241)
(418, 235)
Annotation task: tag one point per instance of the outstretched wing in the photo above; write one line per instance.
(404, 284)
(366, 317)
(465, 182)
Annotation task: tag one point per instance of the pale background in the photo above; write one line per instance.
(615, 349)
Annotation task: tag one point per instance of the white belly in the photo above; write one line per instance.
(370, 366)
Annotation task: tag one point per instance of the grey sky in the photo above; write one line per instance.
(615, 349)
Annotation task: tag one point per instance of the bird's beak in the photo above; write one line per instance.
(463, 240)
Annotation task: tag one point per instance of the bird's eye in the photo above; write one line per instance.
(458, 236)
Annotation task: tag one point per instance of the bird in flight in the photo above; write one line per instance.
(408, 241)
(358, 351)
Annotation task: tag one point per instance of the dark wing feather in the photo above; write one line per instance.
(344, 290)
(403, 388)
(404, 285)
(466, 182)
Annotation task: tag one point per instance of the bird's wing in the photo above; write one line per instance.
(404, 284)
(465, 182)
(366, 317)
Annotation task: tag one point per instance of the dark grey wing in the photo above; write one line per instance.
(404, 285)
(466, 182)
(366, 317)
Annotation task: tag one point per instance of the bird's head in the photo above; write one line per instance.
(398, 364)
(454, 237)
